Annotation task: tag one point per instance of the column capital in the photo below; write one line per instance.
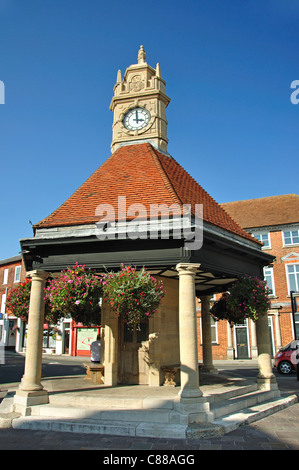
(187, 268)
(38, 274)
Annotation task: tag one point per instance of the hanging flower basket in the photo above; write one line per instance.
(75, 293)
(133, 295)
(247, 298)
(18, 298)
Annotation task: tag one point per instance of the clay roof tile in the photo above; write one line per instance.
(144, 175)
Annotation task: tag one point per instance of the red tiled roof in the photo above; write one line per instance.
(265, 211)
(145, 176)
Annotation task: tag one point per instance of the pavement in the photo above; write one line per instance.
(279, 431)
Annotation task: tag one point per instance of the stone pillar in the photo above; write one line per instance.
(278, 344)
(230, 348)
(188, 331)
(265, 378)
(110, 321)
(206, 335)
(254, 351)
(154, 350)
(31, 391)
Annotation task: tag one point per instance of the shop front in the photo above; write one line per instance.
(81, 338)
(67, 337)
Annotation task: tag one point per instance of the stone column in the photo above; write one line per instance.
(230, 348)
(278, 344)
(254, 351)
(31, 391)
(265, 378)
(188, 331)
(154, 350)
(206, 335)
(110, 321)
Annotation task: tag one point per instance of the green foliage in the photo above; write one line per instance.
(76, 293)
(133, 295)
(247, 298)
(17, 301)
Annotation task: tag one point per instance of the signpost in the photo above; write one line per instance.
(294, 311)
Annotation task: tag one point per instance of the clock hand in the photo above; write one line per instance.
(137, 119)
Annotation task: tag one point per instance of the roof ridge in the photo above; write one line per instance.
(264, 212)
(241, 230)
(260, 198)
(164, 174)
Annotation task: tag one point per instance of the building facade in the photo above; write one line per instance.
(12, 273)
(275, 222)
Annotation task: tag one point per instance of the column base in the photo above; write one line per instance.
(188, 394)
(194, 410)
(267, 383)
(24, 400)
(210, 369)
(110, 374)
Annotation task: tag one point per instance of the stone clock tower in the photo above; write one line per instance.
(139, 106)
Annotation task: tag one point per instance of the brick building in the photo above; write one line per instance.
(12, 272)
(275, 222)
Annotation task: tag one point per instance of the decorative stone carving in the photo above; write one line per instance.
(136, 84)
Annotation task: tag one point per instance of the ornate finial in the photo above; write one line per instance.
(118, 79)
(141, 55)
(158, 70)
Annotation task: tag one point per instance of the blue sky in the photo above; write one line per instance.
(228, 65)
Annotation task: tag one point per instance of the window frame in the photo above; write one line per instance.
(258, 236)
(5, 276)
(215, 326)
(3, 303)
(288, 278)
(294, 229)
(270, 268)
(18, 269)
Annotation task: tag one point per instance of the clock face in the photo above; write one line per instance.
(136, 118)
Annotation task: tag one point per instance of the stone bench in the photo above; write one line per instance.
(171, 372)
(49, 350)
(94, 372)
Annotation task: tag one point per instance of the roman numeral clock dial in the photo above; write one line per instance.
(136, 119)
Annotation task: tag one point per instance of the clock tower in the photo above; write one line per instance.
(139, 106)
